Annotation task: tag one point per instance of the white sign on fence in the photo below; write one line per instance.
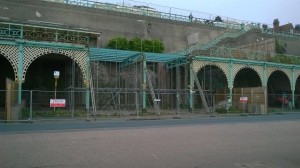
(57, 102)
(243, 99)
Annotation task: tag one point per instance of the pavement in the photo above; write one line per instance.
(270, 141)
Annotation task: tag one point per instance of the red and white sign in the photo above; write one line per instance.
(243, 99)
(57, 102)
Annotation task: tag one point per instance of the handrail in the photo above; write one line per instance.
(245, 54)
(232, 24)
(44, 33)
(153, 13)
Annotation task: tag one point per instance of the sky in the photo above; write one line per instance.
(262, 11)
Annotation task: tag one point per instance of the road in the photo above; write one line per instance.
(235, 142)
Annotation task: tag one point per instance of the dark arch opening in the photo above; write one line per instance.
(247, 77)
(40, 74)
(6, 71)
(40, 79)
(213, 81)
(279, 89)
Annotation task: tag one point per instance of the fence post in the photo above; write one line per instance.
(30, 108)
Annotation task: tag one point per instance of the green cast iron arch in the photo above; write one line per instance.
(222, 66)
(238, 67)
(32, 53)
(10, 52)
(287, 72)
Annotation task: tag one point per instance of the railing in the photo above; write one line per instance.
(253, 55)
(165, 12)
(43, 33)
(282, 34)
(212, 43)
(241, 54)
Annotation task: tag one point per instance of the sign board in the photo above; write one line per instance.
(243, 99)
(56, 74)
(57, 102)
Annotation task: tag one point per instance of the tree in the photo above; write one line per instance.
(158, 46)
(155, 46)
(135, 44)
(265, 27)
(120, 43)
(218, 19)
(297, 27)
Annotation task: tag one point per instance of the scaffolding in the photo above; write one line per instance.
(128, 83)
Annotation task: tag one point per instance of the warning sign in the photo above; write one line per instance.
(57, 102)
(243, 99)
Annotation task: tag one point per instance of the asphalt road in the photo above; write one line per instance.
(235, 142)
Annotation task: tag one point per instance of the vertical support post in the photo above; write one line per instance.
(87, 92)
(30, 110)
(20, 73)
(231, 79)
(265, 80)
(191, 88)
(178, 87)
(293, 85)
(144, 82)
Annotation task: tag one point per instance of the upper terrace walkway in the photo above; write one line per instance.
(207, 19)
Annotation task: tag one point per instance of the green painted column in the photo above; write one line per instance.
(144, 82)
(231, 80)
(293, 86)
(20, 72)
(191, 99)
(87, 92)
(265, 80)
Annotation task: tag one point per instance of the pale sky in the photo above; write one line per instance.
(262, 11)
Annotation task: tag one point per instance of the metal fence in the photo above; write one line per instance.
(128, 104)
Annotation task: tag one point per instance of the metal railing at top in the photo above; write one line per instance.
(177, 14)
(158, 11)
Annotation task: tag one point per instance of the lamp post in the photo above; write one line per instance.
(56, 76)
(144, 66)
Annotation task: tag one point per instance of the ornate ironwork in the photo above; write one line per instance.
(43, 33)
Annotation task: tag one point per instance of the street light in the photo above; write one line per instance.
(141, 33)
(144, 69)
(56, 76)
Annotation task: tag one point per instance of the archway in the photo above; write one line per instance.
(279, 89)
(247, 77)
(40, 79)
(214, 83)
(6, 71)
(39, 75)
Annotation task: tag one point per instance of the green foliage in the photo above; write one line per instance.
(279, 49)
(136, 44)
(265, 27)
(282, 59)
(120, 43)
(218, 19)
(158, 46)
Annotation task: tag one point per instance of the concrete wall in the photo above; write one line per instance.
(173, 34)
